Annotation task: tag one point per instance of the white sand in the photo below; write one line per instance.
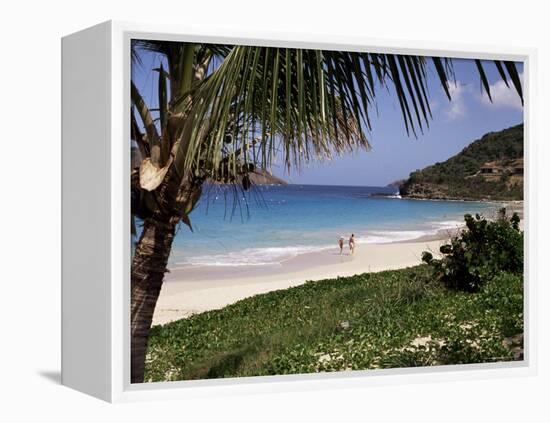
(189, 291)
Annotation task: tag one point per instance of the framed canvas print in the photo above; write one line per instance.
(247, 212)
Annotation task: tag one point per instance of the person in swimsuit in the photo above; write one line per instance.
(341, 244)
(352, 243)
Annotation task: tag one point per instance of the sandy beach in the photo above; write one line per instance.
(194, 289)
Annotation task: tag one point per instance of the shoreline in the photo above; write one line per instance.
(190, 291)
(196, 289)
(204, 272)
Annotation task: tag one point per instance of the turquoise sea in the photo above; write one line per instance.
(270, 224)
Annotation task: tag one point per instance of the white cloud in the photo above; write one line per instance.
(502, 95)
(457, 107)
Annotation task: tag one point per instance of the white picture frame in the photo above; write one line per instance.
(96, 161)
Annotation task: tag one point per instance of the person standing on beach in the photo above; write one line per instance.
(341, 244)
(352, 244)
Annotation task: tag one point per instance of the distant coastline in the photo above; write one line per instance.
(489, 169)
(257, 177)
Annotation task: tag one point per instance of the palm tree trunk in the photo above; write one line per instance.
(148, 268)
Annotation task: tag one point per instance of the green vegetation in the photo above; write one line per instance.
(482, 251)
(401, 318)
(458, 176)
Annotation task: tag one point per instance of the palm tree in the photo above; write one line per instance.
(226, 111)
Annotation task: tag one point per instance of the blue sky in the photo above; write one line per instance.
(455, 124)
(394, 154)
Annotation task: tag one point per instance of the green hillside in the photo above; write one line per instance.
(490, 168)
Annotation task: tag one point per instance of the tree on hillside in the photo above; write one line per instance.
(225, 111)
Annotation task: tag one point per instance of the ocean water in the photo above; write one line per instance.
(271, 224)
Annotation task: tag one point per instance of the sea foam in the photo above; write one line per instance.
(253, 256)
(277, 255)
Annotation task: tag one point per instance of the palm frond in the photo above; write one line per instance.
(150, 128)
(302, 104)
(483, 77)
(500, 65)
(514, 75)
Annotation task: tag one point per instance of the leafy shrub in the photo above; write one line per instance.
(484, 249)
